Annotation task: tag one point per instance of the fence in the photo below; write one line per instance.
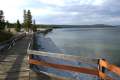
(100, 71)
(8, 43)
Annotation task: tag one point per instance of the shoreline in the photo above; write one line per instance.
(46, 44)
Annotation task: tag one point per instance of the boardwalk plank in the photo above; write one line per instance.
(14, 62)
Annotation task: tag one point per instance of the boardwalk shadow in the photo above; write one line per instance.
(39, 76)
(14, 72)
(18, 53)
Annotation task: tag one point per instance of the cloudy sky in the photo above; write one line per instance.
(64, 11)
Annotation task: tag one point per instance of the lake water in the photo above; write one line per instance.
(89, 42)
(85, 42)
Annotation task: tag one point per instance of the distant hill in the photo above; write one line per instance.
(76, 26)
(92, 26)
(118, 25)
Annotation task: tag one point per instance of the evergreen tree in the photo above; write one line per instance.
(18, 26)
(27, 20)
(2, 25)
(2, 21)
(7, 24)
(34, 28)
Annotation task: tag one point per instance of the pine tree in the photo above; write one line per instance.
(27, 20)
(2, 21)
(34, 28)
(18, 26)
(7, 24)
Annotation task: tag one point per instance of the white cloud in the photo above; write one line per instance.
(47, 11)
(62, 11)
(10, 3)
(99, 2)
(53, 2)
(91, 2)
(40, 11)
(72, 2)
(11, 9)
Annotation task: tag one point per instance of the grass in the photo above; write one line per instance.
(5, 35)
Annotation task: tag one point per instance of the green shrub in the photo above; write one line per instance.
(5, 36)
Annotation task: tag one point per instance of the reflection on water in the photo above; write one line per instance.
(89, 42)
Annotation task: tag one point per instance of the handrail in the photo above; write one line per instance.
(98, 72)
(64, 67)
(11, 41)
(12, 38)
(71, 68)
(64, 57)
(110, 67)
(101, 63)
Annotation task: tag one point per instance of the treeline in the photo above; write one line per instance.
(49, 26)
(4, 25)
(9, 25)
(27, 25)
(74, 26)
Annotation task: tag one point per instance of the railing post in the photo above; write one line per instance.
(100, 68)
(30, 57)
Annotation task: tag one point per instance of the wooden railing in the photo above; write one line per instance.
(100, 71)
(104, 64)
(8, 43)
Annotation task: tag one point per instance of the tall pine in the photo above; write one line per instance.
(18, 26)
(2, 21)
(24, 22)
(34, 27)
(27, 20)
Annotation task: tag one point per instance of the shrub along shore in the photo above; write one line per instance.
(5, 35)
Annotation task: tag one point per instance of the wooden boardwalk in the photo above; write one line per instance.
(14, 62)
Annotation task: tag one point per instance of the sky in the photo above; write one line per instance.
(73, 12)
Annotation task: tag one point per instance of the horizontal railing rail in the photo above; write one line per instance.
(65, 57)
(13, 38)
(64, 67)
(113, 68)
(8, 43)
(98, 72)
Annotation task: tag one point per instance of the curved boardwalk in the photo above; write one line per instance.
(14, 63)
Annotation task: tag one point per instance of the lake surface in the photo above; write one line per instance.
(84, 42)
(89, 42)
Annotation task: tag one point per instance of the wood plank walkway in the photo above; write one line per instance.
(14, 62)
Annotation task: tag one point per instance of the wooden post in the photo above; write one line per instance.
(100, 68)
(30, 57)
